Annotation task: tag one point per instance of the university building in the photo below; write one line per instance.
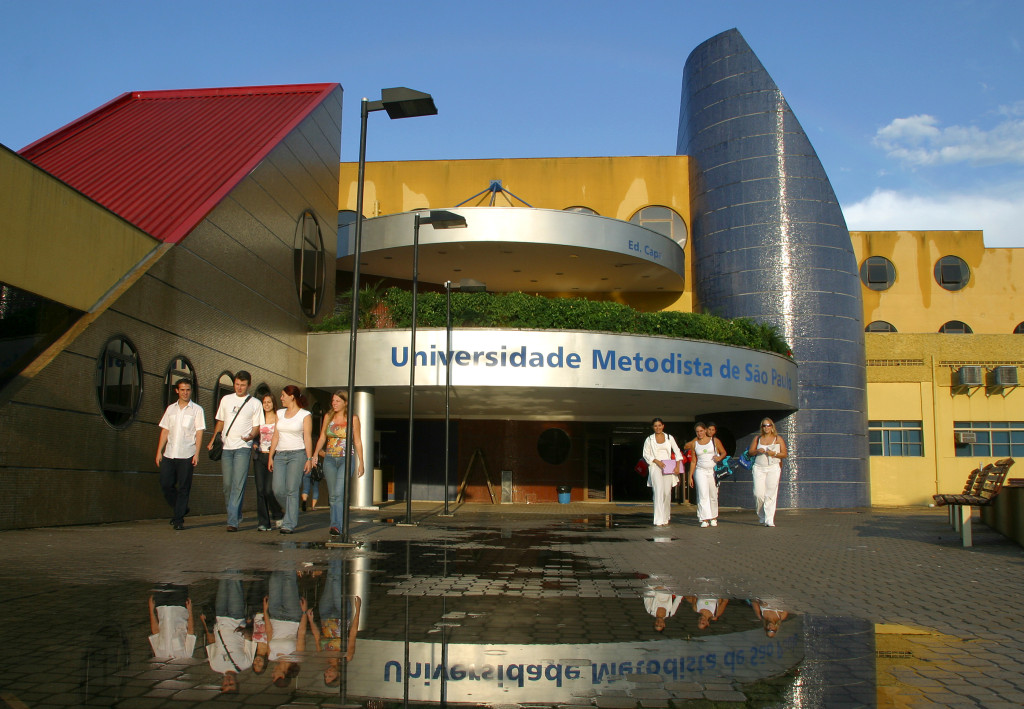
(197, 233)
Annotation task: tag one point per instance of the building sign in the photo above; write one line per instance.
(572, 360)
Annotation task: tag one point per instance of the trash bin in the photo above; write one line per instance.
(564, 493)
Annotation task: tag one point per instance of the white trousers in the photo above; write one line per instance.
(707, 493)
(766, 491)
(661, 487)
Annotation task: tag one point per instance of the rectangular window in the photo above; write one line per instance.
(992, 439)
(896, 438)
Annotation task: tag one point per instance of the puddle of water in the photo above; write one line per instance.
(488, 619)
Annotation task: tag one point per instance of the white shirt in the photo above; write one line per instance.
(247, 418)
(182, 423)
(229, 651)
(289, 431)
(173, 639)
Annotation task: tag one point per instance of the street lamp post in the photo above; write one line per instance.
(399, 102)
(467, 286)
(439, 219)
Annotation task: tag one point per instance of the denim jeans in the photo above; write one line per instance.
(283, 602)
(288, 467)
(230, 603)
(334, 603)
(334, 474)
(235, 467)
(309, 486)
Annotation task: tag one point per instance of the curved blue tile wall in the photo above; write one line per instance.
(770, 242)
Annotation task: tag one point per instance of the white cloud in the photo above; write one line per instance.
(1001, 217)
(919, 140)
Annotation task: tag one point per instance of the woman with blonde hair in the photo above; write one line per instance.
(768, 449)
(334, 442)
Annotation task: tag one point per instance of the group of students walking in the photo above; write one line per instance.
(254, 430)
(666, 470)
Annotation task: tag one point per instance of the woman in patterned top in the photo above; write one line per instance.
(334, 443)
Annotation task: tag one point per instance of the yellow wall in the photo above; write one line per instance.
(612, 186)
(58, 243)
(916, 303)
(910, 377)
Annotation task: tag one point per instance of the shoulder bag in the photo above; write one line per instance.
(217, 448)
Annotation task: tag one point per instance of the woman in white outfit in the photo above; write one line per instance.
(662, 604)
(707, 451)
(768, 450)
(658, 448)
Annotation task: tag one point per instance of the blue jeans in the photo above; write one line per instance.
(307, 484)
(235, 467)
(288, 467)
(230, 602)
(334, 474)
(283, 602)
(333, 603)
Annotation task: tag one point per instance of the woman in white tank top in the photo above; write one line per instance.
(707, 451)
(768, 450)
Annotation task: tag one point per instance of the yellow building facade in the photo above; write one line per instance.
(914, 370)
(940, 298)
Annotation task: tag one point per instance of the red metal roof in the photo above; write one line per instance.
(164, 159)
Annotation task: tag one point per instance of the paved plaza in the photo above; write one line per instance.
(534, 605)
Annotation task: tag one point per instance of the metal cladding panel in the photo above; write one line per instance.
(163, 159)
(770, 243)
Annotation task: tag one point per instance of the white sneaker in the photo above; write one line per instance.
(704, 524)
(714, 523)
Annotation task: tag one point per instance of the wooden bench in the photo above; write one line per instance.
(981, 488)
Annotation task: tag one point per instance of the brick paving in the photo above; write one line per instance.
(887, 608)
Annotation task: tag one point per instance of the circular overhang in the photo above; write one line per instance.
(555, 375)
(522, 249)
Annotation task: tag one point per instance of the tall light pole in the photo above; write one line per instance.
(399, 102)
(439, 219)
(466, 285)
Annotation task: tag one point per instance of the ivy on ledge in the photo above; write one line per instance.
(392, 308)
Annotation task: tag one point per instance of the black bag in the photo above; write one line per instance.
(216, 451)
(316, 473)
(217, 448)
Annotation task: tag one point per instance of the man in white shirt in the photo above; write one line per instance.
(177, 453)
(239, 417)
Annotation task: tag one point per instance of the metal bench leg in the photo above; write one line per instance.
(951, 515)
(965, 524)
(955, 511)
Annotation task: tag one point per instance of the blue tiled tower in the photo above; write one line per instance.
(770, 243)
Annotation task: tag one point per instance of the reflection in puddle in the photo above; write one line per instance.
(491, 618)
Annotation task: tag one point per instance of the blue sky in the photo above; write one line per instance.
(916, 109)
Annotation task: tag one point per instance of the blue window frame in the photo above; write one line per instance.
(993, 439)
(895, 438)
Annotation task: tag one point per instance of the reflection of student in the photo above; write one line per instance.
(662, 604)
(339, 623)
(171, 624)
(228, 650)
(771, 618)
(707, 608)
(286, 620)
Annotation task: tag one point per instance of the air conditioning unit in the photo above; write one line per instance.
(970, 376)
(1005, 376)
(964, 437)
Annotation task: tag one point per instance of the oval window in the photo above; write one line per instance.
(553, 446)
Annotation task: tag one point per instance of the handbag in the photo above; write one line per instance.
(723, 469)
(641, 467)
(216, 451)
(316, 473)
